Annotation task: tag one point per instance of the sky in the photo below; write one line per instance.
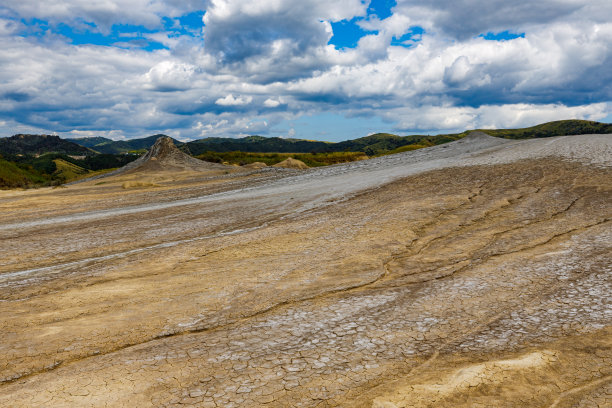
(312, 69)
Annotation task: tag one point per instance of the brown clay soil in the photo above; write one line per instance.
(473, 275)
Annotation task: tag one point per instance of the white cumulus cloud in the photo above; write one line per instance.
(229, 100)
(271, 103)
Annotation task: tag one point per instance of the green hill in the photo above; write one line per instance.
(53, 169)
(68, 171)
(557, 128)
(382, 143)
(40, 144)
(13, 175)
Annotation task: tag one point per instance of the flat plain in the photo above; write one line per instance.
(472, 274)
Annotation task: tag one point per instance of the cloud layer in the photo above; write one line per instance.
(254, 67)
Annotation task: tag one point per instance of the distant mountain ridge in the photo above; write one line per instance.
(379, 143)
(371, 145)
(109, 146)
(91, 141)
(257, 144)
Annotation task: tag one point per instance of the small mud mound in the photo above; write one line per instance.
(292, 163)
(255, 165)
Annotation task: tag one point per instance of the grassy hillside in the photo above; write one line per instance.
(13, 175)
(40, 144)
(68, 171)
(557, 128)
(385, 143)
(55, 169)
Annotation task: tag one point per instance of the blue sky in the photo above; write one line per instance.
(311, 69)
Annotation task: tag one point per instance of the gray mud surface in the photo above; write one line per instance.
(476, 273)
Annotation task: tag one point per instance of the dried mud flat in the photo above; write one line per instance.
(471, 274)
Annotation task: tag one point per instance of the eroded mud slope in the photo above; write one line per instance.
(473, 275)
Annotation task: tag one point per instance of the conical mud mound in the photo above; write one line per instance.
(165, 158)
(164, 155)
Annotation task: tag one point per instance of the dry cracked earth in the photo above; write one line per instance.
(473, 274)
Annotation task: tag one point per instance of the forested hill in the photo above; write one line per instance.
(40, 144)
(257, 144)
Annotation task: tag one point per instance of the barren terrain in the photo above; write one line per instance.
(472, 274)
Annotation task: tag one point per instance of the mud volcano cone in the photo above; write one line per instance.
(163, 148)
(164, 155)
(165, 158)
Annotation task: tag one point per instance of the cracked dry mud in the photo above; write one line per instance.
(472, 275)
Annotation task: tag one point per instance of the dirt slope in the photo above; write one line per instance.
(476, 273)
